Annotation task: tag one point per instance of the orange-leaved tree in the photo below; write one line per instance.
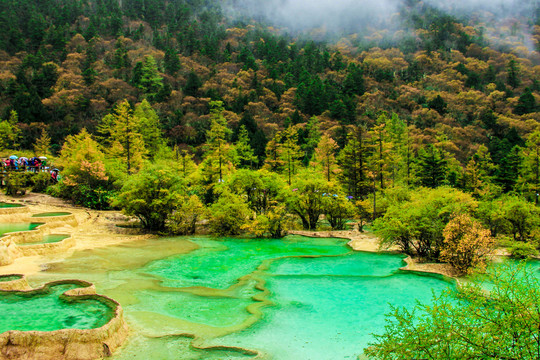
(466, 244)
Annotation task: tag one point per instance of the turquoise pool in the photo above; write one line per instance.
(296, 298)
(47, 310)
(15, 227)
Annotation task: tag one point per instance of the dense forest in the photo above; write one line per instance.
(64, 65)
(425, 98)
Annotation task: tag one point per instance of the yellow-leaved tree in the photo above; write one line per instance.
(85, 179)
(325, 157)
(120, 132)
(466, 244)
(43, 144)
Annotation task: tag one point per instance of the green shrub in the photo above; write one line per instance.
(96, 197)
(183, 221)
(41, 181)
(228, 215)
(274, 224)
(467, 324)
(151, 195)
(17, 183)
(523, 250)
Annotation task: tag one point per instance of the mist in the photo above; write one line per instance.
(498, 8)
(335, 16)
(355, 16)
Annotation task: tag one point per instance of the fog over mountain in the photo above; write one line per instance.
(348, 16)
(332, 15)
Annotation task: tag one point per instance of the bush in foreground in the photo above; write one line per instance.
(470, 323)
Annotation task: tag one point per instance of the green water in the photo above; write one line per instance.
(295, 298)
(342, 299)
(8, 278)
(14, 227)
(4, 205)
(47, 311)
(51, 214)
(49, 239)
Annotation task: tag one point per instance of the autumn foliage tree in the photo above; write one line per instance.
(86, 179)
(42, 147)
(123, 139)
(325, 157)
(466, 244)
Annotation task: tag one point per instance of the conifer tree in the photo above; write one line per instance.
(531, 169)
(149, 81)
(246, 157)
(526, 103)
(432, 166)
(290, 152)
(353, 163)
(380, 159)
(220, 155)
(172, 63)
(313, 136)
(512, 71)
(43, 144)
(479, 171)
(184, 162)
(325, 157)
(509, 169)
(399, 150)
(120, 131)
(148, 125)
(273, 162)
(193, 84)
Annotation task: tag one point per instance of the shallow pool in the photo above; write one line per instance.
(8, 278)
(15, 227)
(52, 214)
(49, 311)
(296, 298)
(48, 239)
(4, 205)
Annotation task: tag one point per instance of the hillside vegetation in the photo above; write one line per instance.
(169, 109)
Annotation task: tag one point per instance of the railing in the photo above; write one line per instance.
(5, 171)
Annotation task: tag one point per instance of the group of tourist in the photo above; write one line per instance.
(34, 164)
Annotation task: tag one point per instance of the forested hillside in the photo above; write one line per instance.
(437, 87)
(417, 118)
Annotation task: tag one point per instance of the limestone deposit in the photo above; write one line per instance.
(67, 344)
(18, 283)
(19, 255)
